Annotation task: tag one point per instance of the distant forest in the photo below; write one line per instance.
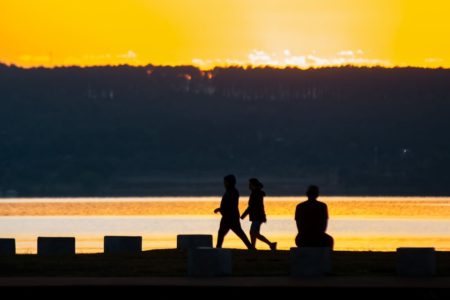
(155, 130)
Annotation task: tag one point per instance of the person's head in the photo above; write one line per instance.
(229, 181)
(312, 192)
(255, 184)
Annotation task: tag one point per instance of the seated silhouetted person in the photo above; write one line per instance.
(311, 217)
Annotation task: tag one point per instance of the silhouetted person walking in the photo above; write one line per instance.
(312, 220)
(257, 214)
(229, 208)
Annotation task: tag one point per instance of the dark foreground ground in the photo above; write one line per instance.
(162, 273)
(173, 263)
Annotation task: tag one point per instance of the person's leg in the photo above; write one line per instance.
(237, 229)
(223, 230)
(255, 234)
(308, 241)
(253, 239)
(298, 240)
(260, 237)
(321, 240)
(328, 241)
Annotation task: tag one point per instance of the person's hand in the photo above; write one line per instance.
(216, 210)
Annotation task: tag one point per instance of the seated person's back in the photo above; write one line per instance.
(311, 217)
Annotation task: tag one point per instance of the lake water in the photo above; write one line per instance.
(356, 223)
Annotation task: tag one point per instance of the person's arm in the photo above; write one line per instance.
(245, 213)
(297, 218)
(220, 209)
(324, 219)
(298, 225)
(225, 204)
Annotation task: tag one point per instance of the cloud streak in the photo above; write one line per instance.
(256, 58)
(260, 58)
(129, 57)
(434, 60)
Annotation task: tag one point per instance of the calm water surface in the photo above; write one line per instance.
(357, 223)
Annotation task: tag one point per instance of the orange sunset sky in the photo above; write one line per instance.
(206, 33)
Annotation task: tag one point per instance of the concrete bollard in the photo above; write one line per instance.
(209, 262)
(191, 241)
(122, 244)
(310, 261)
(7, 247)
(416, 262)
(56, 246)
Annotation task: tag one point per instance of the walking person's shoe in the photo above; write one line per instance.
(273, 246)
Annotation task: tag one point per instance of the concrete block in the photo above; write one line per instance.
(122, 244)
(56, 246)
(7, 247)
(209, 262)
(416, 262)
(310, 261)
(190, 241)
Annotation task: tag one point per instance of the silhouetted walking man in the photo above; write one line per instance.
(312, 220)
(229, 208)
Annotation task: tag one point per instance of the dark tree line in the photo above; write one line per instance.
(177, 130)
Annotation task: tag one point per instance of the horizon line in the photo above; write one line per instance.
(229, 66)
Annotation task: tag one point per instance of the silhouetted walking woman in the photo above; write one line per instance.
(311, 217)
(229, 208)
(257, 214)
